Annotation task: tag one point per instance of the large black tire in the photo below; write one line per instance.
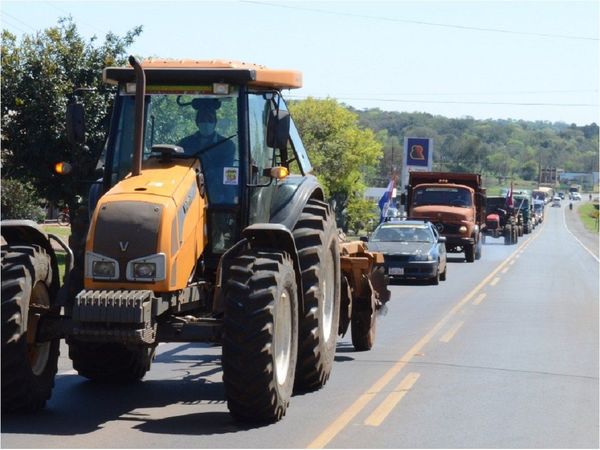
(470, 253)
(316, 239)
(260, 339)
(508, 235)
(520, 230)
(28, 370)
(363, 328)
(108, 362)
(444, 273)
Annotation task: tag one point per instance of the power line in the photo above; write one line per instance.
(69, 13)
(18, 20)
(4, 22)
(393, 100)
(419, 22)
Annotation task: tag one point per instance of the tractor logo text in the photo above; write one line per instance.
(417, 152)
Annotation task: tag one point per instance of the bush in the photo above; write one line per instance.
(19, 201)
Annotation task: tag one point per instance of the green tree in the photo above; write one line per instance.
(39, 74)
(341, 152)
(19, 201)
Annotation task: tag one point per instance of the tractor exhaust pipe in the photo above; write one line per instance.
(140, 94)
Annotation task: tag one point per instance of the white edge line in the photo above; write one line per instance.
(575, 237)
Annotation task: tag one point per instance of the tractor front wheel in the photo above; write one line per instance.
(260, 339)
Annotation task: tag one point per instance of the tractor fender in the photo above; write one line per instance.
(27, 232)
(276, 236)
(291, 197)
(260, 235)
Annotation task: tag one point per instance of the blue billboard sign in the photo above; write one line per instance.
(418, 152)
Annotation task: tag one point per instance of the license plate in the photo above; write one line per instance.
(396, 271)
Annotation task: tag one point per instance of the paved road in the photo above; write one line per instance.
(502, 354)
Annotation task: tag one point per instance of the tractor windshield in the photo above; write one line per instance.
(204, 125)
(434, 195)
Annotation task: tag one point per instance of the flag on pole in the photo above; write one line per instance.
(385, 200)
(509, 197)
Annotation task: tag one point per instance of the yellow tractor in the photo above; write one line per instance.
(207, 225)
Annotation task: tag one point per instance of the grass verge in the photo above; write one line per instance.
(589, 216)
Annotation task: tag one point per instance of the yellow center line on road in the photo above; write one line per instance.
(479, 298)
(450, 334)
(334, 428)
(383, 410)
(494, 282)
(504, 270)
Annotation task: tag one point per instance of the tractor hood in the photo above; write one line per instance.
(156, 179)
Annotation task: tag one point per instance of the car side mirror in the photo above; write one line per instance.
(75, 122)
(442, 239)
(364, 239)
(278, 130)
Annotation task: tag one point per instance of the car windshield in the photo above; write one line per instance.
(451, 196)
(402, 233)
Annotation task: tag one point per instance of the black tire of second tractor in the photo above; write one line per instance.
(28, 370)
(252, 294)
(508, 235)
(315, 234)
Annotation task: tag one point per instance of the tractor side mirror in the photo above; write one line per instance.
(75, 123)
(278, 130)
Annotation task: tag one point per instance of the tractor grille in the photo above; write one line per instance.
(126, 231)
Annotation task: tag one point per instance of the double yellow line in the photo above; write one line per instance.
(380, 413)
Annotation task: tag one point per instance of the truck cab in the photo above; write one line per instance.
(454, 203)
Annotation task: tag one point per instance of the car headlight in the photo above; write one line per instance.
(100, 267)
(462, 229)
(148, 268)
(423, 258)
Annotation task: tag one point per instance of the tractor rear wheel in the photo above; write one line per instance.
(363, 327)
(260, 339)
(28, 368)
(316, 239)
(108, 362)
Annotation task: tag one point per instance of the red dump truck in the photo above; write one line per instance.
(455, 203)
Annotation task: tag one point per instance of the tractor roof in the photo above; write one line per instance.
(172, 71)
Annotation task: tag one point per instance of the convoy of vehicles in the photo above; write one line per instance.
(454, 203)
(412, 249)
(207, 226)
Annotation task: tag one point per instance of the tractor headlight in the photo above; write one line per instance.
(144, 270)
(148, 268)
(104, 269)
(100, 267)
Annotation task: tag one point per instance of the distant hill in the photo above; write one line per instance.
(512, 148)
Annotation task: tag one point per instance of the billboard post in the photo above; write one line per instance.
(418, 156)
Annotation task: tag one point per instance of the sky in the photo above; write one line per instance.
(529, 60)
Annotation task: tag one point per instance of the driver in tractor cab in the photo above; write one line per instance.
(217, 153)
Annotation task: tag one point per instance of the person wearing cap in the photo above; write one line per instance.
(217, 153)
